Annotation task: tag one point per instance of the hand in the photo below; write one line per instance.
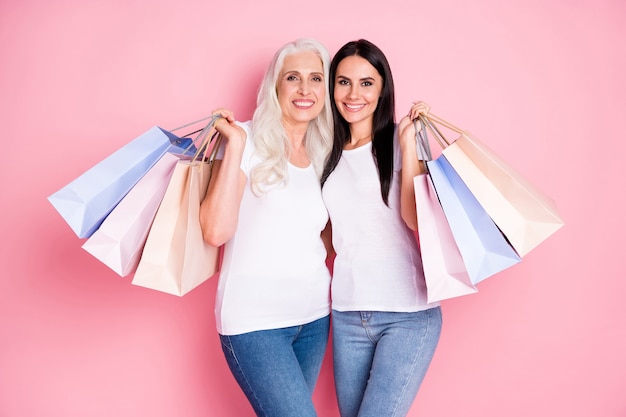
(417, 108)
(406, 127)
(407, 133)
(227, 127)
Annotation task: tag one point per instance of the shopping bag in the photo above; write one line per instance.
(483, 247)
(445, 272)
(119, 240)
(175, 258)
(524, 214)
(87, 200)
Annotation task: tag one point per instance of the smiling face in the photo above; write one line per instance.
(357, 89)
(300, 88)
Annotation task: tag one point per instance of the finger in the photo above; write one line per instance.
(226, 114)
(218, 125)
(420, 107)
(424, 108)
(403, 123)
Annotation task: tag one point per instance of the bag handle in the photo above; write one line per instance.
(430, 121)
(216, 139)
(191, 124)
(421, 139)
(202, 140)
(205, 138)
(441, 140)
(444, 123)
(195, 131)
(422, 144)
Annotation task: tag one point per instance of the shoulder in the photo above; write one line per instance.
(246, 126)
(249, 151)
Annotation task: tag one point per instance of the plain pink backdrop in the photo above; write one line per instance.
(542, 82)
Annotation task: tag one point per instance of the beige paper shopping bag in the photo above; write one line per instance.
(523, 213)
(175, 258)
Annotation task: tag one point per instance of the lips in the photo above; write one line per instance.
(303, 104)
(353, 107)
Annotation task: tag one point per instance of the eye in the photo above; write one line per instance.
(366, 83)
(292, 78)
(343, 82)
(317, 79)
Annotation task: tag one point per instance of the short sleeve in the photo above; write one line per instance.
(247, 151)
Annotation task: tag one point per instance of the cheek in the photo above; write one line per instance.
(280, 93)
(285, 90)
(372, 96)
(377, 95)
(337, 95)
(320, 91)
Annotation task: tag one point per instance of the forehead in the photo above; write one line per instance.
(356, 67)
(303, 62)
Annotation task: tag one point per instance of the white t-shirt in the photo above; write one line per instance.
(378, 266)
(274, 273)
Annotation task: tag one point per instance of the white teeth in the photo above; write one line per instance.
(306, 104)
(354, 107)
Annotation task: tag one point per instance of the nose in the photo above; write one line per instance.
(353, 93)
(305, 87)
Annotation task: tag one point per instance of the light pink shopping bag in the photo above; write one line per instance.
(119, 240)
(444, 270)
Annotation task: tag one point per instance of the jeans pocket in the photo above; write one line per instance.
(227, 346)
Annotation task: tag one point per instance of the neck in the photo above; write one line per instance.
(354, 142)
(360, 135)
(295, 133)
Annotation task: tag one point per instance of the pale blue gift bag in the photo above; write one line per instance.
(85, 202)
(484, 249)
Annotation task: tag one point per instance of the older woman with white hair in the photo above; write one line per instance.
(264, 204)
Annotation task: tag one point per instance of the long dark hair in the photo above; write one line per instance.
(383, 123)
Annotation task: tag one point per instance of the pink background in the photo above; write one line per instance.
(541, 81)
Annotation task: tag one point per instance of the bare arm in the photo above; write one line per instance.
(411, 166)
(219, 211)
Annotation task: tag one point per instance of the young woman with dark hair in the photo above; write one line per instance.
(384, 331)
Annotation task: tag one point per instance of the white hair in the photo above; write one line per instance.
(268, 133)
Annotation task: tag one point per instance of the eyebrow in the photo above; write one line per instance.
(360, 79)
(299, 73)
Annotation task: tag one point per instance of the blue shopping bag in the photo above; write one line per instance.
(484, 249)
(85, 202)
(445, 273)
(525, 215)
(119, 240)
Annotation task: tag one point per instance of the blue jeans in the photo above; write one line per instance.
(277, 369)
(380, 359)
